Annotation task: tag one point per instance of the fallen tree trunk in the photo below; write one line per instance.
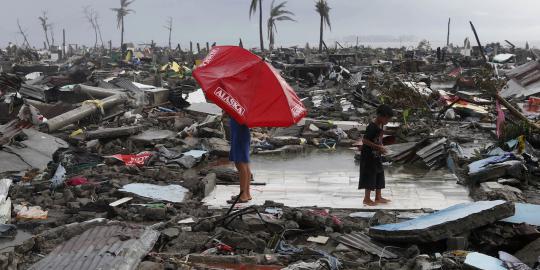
(86, 109)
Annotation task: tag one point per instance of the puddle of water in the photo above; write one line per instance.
(330, 179)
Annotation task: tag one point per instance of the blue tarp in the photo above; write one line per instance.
(452, 213)
(525, 213)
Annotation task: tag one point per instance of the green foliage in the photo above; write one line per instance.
(406, 113)
(486, 81)
(514, 130)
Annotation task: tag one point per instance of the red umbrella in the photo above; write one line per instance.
(248, 88)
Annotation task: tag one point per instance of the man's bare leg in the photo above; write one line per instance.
(245, 178)
(248, 182)
(239, 169)
(379, 198)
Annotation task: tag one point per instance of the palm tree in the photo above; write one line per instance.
(253, 10)
(45, 25)
(121, 12)
(323, 9)
(277, 13)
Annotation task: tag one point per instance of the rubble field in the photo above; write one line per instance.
(109, 162)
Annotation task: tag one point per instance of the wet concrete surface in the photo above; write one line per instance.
(17, 239)
(330, 179)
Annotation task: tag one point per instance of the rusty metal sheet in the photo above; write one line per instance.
(112, 247)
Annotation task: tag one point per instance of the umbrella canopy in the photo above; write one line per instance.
(248, 88)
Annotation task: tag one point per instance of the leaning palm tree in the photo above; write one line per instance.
(277, 13)
(323, 9)
(253, 10)
(121, 12)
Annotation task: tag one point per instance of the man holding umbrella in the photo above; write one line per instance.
(239, 154)
(253, 94)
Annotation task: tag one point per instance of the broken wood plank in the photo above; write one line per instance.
(515, 112)
(120, 201)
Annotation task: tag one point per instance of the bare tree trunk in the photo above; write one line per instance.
(122, 39)
(47, 38)
(23, 34)
(52, 35)
(96, 36)
(261, 26)
(271, 39)
(321, 35)
(170, 32)
(100, 37)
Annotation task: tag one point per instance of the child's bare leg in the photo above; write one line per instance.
(379, 198)
(367, 198)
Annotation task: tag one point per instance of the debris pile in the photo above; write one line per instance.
(110, 162)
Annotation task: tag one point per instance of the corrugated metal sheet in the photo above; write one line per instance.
(433, 153)
(524, 81)
(363, 242)
(102, 247)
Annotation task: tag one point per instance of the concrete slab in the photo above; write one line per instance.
(330, 179)
(445, 223)
(525, 213)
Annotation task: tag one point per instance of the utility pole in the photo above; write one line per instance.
(110, 49)
(478, 42)
(448, 34)
(63, 43)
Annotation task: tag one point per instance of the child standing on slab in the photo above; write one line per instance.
(371, 168)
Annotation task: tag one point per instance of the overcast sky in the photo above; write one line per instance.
(225, 21)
